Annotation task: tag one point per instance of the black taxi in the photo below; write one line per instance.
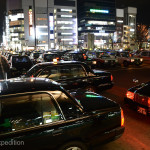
(72, 75)
(37, 113)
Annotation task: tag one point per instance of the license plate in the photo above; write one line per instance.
(142, 110)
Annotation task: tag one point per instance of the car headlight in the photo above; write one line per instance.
(106, 61)
(132, 60)
(141, 59)
(94, 62)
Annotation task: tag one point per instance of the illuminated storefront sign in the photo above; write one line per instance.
(30, 22)
(99, 11)
(51, 26)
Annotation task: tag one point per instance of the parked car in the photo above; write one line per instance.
(139, 98)
(39, 114)
(102, 59)
(20, 64)
(5, 71)
(72, 74)
(77, 56)
(124, 58)
(145, 54)
(47, 57)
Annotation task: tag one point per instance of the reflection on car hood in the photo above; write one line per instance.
(100, 72)
(92, 101)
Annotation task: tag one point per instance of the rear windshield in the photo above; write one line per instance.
(18, 59)
(50, 57)
(36, 55)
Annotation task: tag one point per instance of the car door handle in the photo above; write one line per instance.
(57, 132)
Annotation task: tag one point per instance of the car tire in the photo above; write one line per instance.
(126, 64)
(73, 145)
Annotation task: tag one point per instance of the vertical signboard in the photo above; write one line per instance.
(30, 21)
(51, 26)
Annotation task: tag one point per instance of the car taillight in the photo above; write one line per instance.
(112, 78)
(122, 118)
(148, 101)
(130, 95)
(84, 56)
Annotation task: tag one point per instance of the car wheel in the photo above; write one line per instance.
(75, 145)
(126, 64)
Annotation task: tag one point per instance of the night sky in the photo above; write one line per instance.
(143, 8)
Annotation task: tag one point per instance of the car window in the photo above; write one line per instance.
(144, 54)
(34, 71)
(125, 54)
(69, 108)
(20, 112)
(63, 72)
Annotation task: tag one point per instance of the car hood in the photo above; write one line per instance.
(91, 101)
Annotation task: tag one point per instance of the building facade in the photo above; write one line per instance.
(96, 18)
(46, 24)
(125, 28)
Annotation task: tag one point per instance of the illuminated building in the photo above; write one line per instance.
(96, 22)
(125, 28)
(42, 24)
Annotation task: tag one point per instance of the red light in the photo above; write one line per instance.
(148, 101)
(112, 78)
(122, 118)
(130, 95)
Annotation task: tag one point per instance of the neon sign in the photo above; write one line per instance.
(99, 11)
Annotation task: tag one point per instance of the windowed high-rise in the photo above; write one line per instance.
(42, 24)
(96, 19)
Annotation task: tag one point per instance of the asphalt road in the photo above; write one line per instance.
(137, 126)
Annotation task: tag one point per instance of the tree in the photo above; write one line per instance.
(141, 35)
